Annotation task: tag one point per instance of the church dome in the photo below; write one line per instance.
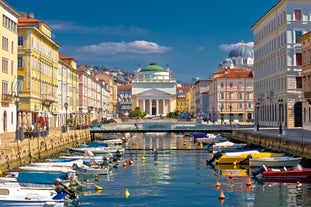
(242, 51)
(153, 67)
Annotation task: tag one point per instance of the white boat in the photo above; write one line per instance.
(96, 150)
(12, 194)
(77, 169)
(227, 145)
(277, 162)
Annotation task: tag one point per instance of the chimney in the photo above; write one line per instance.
(23, 14)
(31, 15)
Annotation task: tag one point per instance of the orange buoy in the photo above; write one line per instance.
(131, 162)
(221, 195)
(217, 184)
(230, 175)
(124, 163)
(249, 182)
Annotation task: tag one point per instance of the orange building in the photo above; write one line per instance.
(231, 95)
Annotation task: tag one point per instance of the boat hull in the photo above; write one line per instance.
(275, 162)
(288, 176)
(243, 158)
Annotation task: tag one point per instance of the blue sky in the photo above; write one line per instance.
(191, 37)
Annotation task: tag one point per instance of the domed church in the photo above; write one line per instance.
(154, 90)
(241, 56)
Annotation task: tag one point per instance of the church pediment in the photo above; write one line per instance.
(154, 93)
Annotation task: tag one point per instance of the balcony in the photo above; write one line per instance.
(6, 98)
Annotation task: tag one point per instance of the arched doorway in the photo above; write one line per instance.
(298, 114)
(5, 122)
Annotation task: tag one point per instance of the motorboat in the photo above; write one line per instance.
(96, 150)
(12, 194)
(220, 146)
(240, 157)
(283, 161)
(296, 174)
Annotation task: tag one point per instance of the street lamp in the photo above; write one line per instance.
(213, 115)
(16, 101)
(280, 117)
(257, 116)
(230, 115)
(66, 108)
(221, 115)
(90, 109)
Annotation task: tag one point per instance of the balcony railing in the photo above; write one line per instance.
(6, 98)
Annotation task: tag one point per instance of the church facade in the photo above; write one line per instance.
(154, 90)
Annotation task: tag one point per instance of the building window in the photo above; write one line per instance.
(298, 59)
(298, 82)
(304, 57)
(240, 84)
(297, 36)
(21, 41)
(4, 88)
(5, 43)
(221, 95)
(5, 65)
(20, 83)
(20, 64)
(297, 14)
(231, 95)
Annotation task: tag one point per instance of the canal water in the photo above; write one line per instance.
(181, 178)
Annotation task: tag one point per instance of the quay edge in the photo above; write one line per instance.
(275, 143)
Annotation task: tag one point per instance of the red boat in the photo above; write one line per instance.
(297, 174)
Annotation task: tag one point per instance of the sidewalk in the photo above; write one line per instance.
(297, 134)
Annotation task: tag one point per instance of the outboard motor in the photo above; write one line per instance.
(260, 170)
(217, 155)
(77, 168)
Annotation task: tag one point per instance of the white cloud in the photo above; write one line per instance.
(135, 47)
(72, 27)
(229, 47)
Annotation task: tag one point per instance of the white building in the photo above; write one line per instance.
(277, 62)
(154, 90)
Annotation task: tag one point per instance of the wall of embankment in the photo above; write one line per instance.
(16, 153)
(275, 143)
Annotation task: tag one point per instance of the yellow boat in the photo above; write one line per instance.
(243, 158)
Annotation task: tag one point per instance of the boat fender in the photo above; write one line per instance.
(217, 155)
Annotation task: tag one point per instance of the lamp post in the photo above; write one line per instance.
(213, 115)
(47, 104)
(221, 115)
(16, 101)
(230, 115)
(66, 108)
(280, 115)
(90, 108)
(257, 116)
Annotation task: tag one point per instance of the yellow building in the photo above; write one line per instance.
(181, 100)
(8, 64)
(37, 72)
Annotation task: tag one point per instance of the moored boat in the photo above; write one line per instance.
(226, 145)
(283, 161)
(297, 174)
(12, 194)
(240, 157)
